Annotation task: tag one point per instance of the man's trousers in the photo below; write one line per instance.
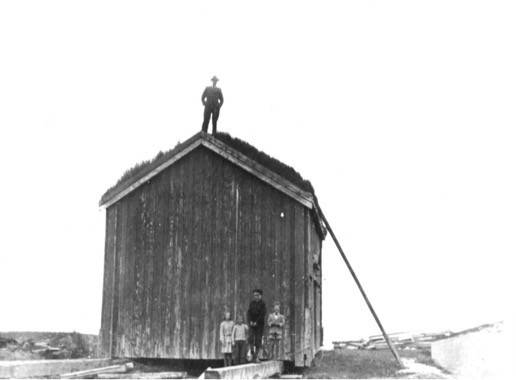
(214, 113)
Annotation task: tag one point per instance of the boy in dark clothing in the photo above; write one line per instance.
(256, 319)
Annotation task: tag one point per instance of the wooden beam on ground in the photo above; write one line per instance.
(51, 368)
(362, 291)
(144, 375)
(261, 370)
(120, 368)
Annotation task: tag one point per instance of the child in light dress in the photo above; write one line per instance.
(226, 330)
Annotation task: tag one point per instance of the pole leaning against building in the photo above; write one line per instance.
(386, 337)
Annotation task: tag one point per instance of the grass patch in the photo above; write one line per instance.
(361, 364)
(358, 364)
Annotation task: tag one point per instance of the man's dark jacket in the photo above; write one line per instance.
(212, 97)
(256, 313)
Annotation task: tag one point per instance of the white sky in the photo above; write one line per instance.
(401, 113)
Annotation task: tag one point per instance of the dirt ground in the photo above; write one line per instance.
(334, 364)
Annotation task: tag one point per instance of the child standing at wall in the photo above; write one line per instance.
(226, 329)
(276, 321)
(239, 339)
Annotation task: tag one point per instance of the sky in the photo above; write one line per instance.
(400, 113)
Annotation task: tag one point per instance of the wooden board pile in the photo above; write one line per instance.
(406, 340)
(122, 371)
(402, 341)
(46, 345)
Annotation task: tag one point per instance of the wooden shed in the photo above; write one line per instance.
(191, 233)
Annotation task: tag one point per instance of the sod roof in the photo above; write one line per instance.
(143, 168)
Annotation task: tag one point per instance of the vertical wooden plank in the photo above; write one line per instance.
(182, 323)
(187, 257)
(160, 277)
(224, 252)
(179, 279)
(248, 265)
(150, 257)
(231, 256)
(266, 253)
(103, 341)
(192, 221)
(166, 280)
(114, 287)
(209, 202)
(157, 269)
(132, 215)
(279, 267)
(213, 266)
(254, 270)
(308, 290)
(214, 258)
(195, 252)
(321, 327)
(247, 260)
(265, 256)
(148, 237)
(242, 254)
(134, 231)
(216, 277)
(169, 233)
(290, 247)
(153, 266)
(119, 324)
(142, 260)
(286, 265)
(140, 270)
(299, 251)
(316, 281)
(250, 237)
(197, 241)
(264, 259)
(145, 262)
(107, 294)
(127, 281)
(171, 261)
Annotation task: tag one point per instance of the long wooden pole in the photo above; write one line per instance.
(386, 337)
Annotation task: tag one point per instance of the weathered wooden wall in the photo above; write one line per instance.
(195, 239)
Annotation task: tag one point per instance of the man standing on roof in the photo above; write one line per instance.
(212, 99)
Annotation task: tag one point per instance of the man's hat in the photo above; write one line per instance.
(258, 291)
(214, 79)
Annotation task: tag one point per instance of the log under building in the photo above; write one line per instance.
(191, 233)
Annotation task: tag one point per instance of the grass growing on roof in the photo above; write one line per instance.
(278, 167)
(139, 170)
